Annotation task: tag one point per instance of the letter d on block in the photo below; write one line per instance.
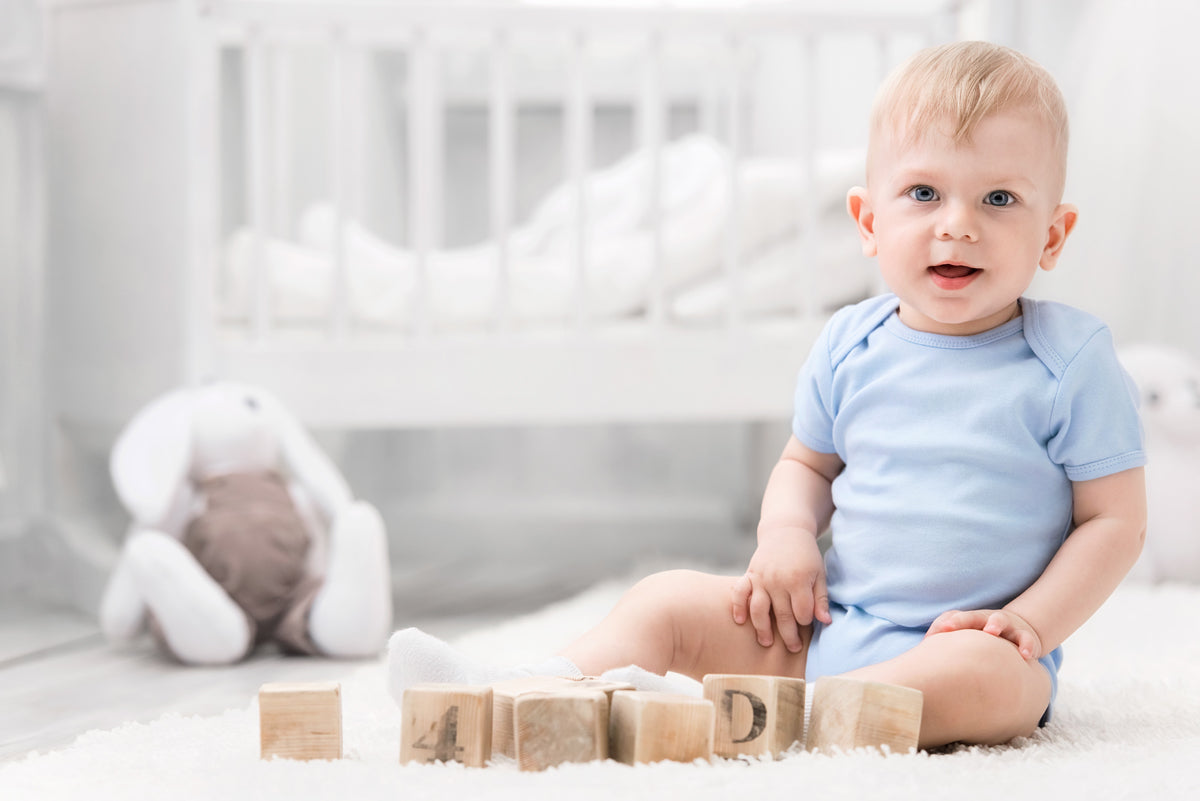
(758, 715)
(755, 714)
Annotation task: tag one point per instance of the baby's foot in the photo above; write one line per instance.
(415, 657)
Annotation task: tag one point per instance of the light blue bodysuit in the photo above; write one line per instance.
(959, 454)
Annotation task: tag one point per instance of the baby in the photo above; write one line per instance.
(976, 454)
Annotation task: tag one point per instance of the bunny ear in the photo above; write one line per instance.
(314, 470)
(150, 458)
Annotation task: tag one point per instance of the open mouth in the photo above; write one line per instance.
(950, 277)
(953, 271)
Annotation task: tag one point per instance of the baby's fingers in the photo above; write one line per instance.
(998, 624)
(760, 616)
(821, 598)
(740, 597)
(1027, 644)
(1003, 625)
(957, 621)
(787, 621)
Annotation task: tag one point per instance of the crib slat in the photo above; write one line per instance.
(424, 172)
(382, 23)
(257, 202)
(578, 146)
(733, 227)
(651, 113)
(886, 60)
(281, 138)
(207, 282)
(808, 242)
(501, 157)
(339, 144)
(883, 57)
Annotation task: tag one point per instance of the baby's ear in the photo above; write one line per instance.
(858, 203)
(1061, 225)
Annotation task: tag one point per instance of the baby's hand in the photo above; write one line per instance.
(998, 622)
(786, 575)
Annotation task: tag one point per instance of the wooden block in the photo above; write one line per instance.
(506, 692)
(650, 727)
(755, 714)
(300, 720)
(847, 713)
(446, 723)
(552, 728)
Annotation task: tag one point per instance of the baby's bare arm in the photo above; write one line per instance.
(1110, 519)
(786, 574)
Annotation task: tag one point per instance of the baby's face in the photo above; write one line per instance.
(960, 229)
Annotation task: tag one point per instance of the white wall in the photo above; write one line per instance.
(118, 138)
(11, 265)
(1129, 72)
(21, 241)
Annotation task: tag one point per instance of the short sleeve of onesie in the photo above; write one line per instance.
(1095, 428)
(815, 404)
(1094, 420)
(812, 422)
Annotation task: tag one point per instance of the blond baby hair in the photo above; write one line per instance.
(961, 84)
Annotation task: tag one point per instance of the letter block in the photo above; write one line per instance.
(552, 728)
(300, 720)
(446, 723)
(755, 714)
(506, 692)
(651, 726)
(848, 713)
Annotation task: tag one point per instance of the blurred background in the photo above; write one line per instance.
(100, 174)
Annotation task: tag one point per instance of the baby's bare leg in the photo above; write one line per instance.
(681, 621)
(977, 687)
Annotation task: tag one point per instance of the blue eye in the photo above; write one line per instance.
(923, 194)
(1000, 198)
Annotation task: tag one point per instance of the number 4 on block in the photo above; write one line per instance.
(446, 723)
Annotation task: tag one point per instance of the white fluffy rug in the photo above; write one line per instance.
(1127, 726)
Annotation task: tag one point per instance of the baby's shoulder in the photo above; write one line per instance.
(1059, 333)
(851, 324)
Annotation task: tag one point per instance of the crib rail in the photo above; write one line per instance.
(589, 365)
(386, 19)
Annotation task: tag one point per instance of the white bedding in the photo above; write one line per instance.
(463, 283)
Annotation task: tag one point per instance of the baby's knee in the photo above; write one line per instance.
(675, 601)
(993, 660)
(672, 590)
(995, 674)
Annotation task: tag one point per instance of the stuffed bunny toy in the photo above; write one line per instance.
(1169, 384)
(243, 531)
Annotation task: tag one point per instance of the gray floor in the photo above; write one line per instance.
(59, 678)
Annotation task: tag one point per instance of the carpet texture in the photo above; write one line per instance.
(1127, 726)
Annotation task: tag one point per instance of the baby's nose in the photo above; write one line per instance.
(957, 221)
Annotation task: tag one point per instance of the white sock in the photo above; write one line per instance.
(415, 657)
(642, 679)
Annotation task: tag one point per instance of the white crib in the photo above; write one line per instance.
(406, 215)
